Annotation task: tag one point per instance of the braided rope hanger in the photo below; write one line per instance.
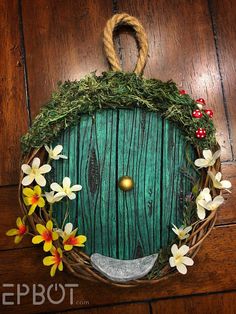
(114, 22)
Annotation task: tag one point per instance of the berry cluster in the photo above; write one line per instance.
(197, 113)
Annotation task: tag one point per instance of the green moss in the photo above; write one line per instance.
(114, 90)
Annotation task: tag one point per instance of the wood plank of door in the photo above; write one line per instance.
(214, 303)
(13, 111)
(152, 151)
(91, 151)
(214, 266)
(63, 41)
(224, 22)
(182, 48)
(139, 156)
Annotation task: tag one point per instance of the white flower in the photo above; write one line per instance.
(54, 153)
(182, 233)
(224, 184)
(66, 189)
(50, 197)
(206, 196)
(35, 172)
(67, 230)
(212, 204)
(178, 259)
(208, 160)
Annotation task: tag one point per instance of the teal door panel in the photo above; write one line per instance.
(139, 155)
(91, 151)
(175, 186)
(103, 148)
(96, 163)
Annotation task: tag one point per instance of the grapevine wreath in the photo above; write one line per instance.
(116, 90)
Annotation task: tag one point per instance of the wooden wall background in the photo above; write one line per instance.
(192, 42)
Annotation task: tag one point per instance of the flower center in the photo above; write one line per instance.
(35, 198)
(212, 207)
(67, 190)
(181, 233)
(22, 229)
(35, 171)
(57, 258)
(71, 241)
(178, 259)
(47, 235)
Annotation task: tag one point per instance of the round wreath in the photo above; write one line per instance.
(113, 90)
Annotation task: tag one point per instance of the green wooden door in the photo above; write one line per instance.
(111, 144)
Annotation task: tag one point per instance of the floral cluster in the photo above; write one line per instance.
(206, 200)
(55, 240)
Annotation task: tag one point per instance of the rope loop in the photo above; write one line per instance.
(114, 22)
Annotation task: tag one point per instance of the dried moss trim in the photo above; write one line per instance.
(115, 90)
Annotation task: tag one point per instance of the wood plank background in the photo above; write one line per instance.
(192, 42)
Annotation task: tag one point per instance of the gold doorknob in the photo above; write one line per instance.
(126, 183)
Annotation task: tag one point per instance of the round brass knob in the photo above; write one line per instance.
(126, 183)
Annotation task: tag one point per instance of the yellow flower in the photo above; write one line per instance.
(46, 234)
(21, 230)
(33, 198)
(71, 240)
(55, 260)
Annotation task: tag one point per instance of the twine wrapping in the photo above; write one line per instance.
(114, 22)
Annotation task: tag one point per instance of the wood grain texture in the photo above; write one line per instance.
(103, 148)
(227, 213)
(97, 175)
(214, 266)
(182, 48)
(139, 156)
(12, 99)
(224, 19)
(175, 185)
(62, 41)
(91, 151)
(10, 210)
(140, 308)
(214, 303)
(152, 152)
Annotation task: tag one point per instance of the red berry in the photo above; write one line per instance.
(201, 101)
(182, 92)
(197, 114)
(209, 112)
(200, 133)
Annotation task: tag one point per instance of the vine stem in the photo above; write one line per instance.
(66, 214)
(50, 210)
(31, 234)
